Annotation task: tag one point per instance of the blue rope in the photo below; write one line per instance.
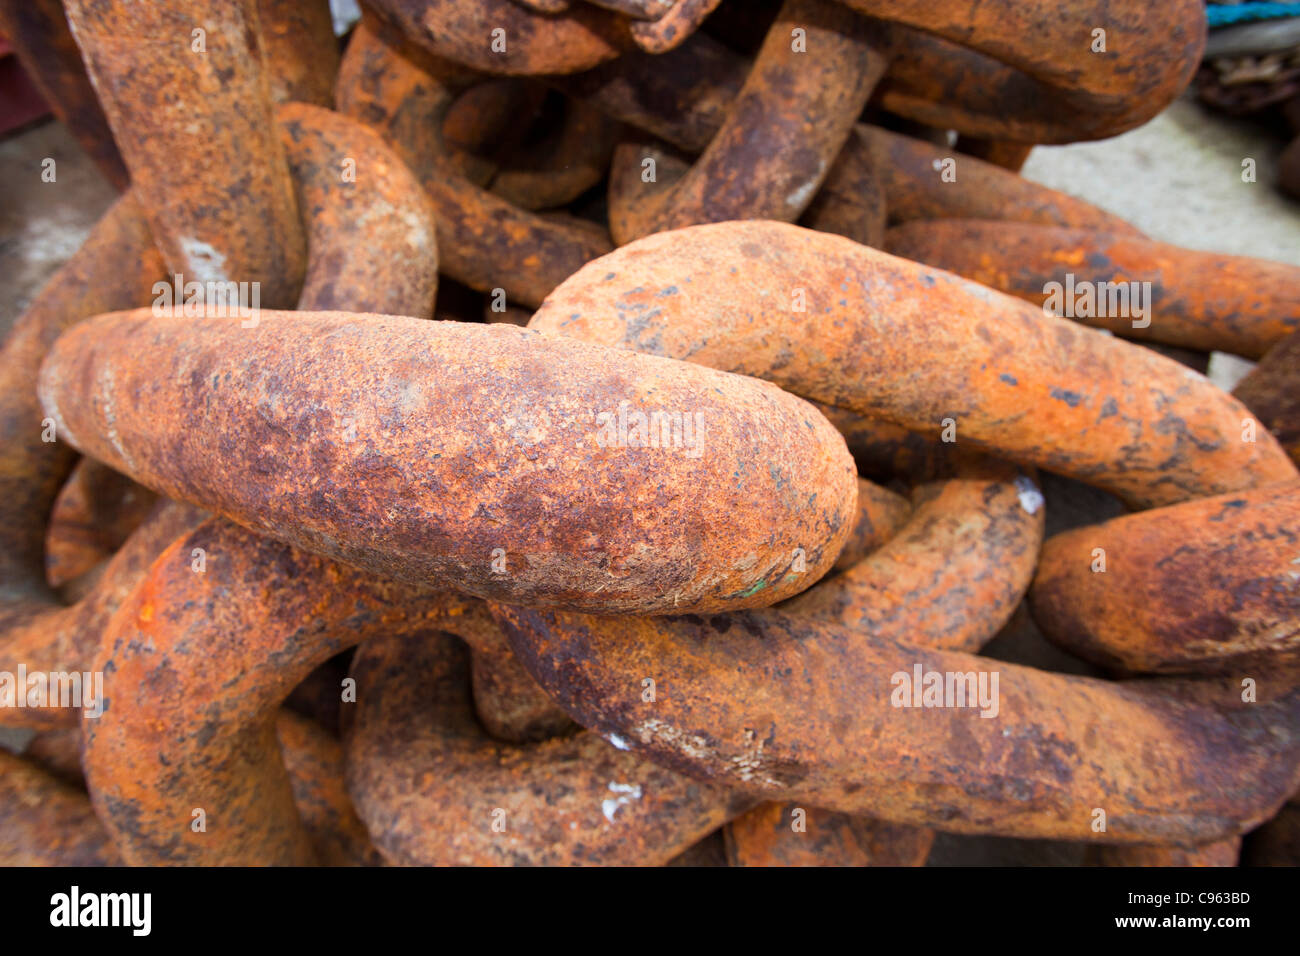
(1220, 16)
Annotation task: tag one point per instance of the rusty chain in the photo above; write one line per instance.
(618, 427)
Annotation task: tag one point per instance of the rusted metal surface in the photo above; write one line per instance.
(369, 226)
(769, 157)
(1272, 391)
(302, 55)
(645, 577)
(524, 42)
(172, 741)
(953, 573)
(1199, 300)
(58, 752)
(1065, 94)
(672, 28)
(490, 437)
(881, 513)
(1206, 585)
(851, 201)
(95, 513)
(791, 708)
(116, 267)
(681, 96)
(915, 189)
(1060, 53)
(38, 31)
(50, 638)
(573, 159)
(1039, 390)
(435, 789)
(483, 241)
(197, 131)
(313, 760)
(47, 822)
(508, 702)
(766, 836)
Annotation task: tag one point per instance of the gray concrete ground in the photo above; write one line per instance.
(1178, 178)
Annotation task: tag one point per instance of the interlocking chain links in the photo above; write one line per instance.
(769, 156)
(484, 241)
(890, 338)
(519, 443)
(789, 757)
(55, 639)
(682, 96)
(950, 577)
(708, 78)
(372, 247)
(225, 212)
(484, 128)
(1065, 92)
(263, 614)
(1206, 585)
(114, 268)
(1197, 300)
(428, 779)
(955, 570)
(435, 789)
(270, 613)
(47, 821)
(1272, 391)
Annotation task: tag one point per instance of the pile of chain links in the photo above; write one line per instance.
(611, 377)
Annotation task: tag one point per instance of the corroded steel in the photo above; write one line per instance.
(645, 577)
(1272, 391)
(95, 513)
(790, 708)
(483, 241)
(46, 821)
(502, 36)
(196, 127)
(301, 53)
(1082, 95)
(1198, 300)
(492, 437)
(370, 232)
(1040, 390)
(435, 789)
(1206, 585)
(769, 157)
(766, 836)
(915, 188)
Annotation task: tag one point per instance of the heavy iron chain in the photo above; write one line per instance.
(703, 548)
